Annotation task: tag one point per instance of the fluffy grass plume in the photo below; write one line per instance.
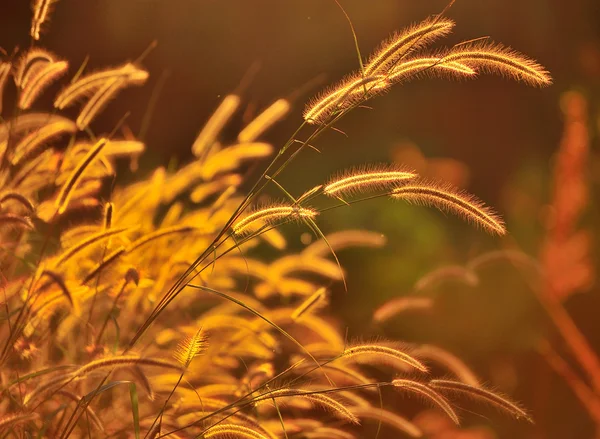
(370, 178)
(190, 347)
(428, 393)
(274, 113)
(444, 197)
(495, 58)
(477, 392)
(401, 305)
(5, 68)
(215, 124)
(90, 84)
(391, 64)
(41, 14)
(66, 192)
(398, 46)
(272, 215)
(344, 95)
(399, 423)
(314, 301)
(376, 353)
(431, 66)
(42, 79)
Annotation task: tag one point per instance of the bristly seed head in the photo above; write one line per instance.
(446, 198)
(362, 180)
(272, 215)
(190, 347)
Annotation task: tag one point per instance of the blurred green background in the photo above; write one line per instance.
(496, 137)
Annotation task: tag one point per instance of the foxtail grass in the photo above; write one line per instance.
(146, 310)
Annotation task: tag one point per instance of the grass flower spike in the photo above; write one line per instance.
(452, 200)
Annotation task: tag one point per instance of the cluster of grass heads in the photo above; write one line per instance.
(138, 310)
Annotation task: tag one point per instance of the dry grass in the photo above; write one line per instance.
(103, 287)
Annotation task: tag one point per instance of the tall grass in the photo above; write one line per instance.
(140, 310)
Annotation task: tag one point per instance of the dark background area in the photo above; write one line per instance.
(499, 129)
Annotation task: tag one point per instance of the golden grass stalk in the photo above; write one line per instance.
(28, 122)
(358, 180)
(73, 235)
(30, 63)
(450, 361)
(210, 391)
(314, 301)
(413, 68)
(203, 404)
(89, 84)
(207, 407)
(287, 265)
(345, 239)
(16, 418)
(105, 262)
(88, 241)
(95, 173)
(401, 44)
(144, 380)
(3, 149)
(428, 393)
(17, 197)
(244, 363)
(452, 200)
(205, 190)
(479, 393)
(496, 58)
(41, 13)
(320, 109)
(395, 421)
(257, 375)
(5, 69)
(124, 148)
(357, 401)
(399, 305)
(222, 199)
(328, 433)
(231, 157)
(285, 286)
(66, 192)
(230, 431)
(271, 216)
(158, 234)
(31, 169)
(190, 347)
(83, 371)
(41, 389)
(98, 101)
(123, 361)
(261, 123)
(42, 79)
(447, 273)
(12, 219)
(91, 414)
(344, 374)
(58, 280)
(318, 399)
(215, 124)
(294, 426)
(31, 144)
(108, 215)
(379, 354)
